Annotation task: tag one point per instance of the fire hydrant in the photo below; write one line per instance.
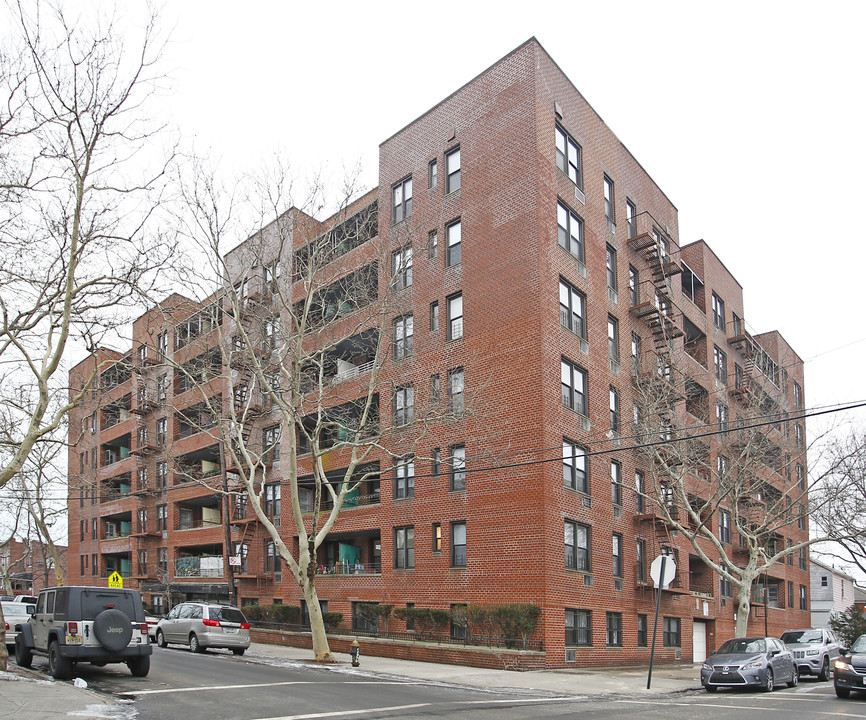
(355, 652)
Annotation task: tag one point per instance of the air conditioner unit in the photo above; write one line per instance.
(617, 512)
(584, 347)
(617, 584)
(612, 295)
(578, 193)
(587, 580)
(278, 577)
(587, 502)
(581, 269)
(584, 423)
(570, 655)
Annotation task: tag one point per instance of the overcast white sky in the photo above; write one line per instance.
(747, 114)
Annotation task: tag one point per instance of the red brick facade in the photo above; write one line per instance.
(511, 348)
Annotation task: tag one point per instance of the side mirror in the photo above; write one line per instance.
(31, 610)
(843, 650)
(773, 653)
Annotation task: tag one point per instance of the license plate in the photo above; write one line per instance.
(864, 680)
(231, 630)
(73, 639)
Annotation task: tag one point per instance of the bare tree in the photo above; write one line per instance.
(727, 485)
(315, 324)
(75, 248)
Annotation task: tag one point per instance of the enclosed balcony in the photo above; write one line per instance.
(351, 554)
(116, 450)
(199, 561)
(198, 465)
(198, 513)
(115, 488)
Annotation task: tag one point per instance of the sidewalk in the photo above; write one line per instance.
(25, 695)
(578, 681)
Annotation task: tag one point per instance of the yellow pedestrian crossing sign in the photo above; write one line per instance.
(114, 580)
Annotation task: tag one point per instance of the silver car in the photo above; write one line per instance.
(760, 662)
(203, 625)
(15, 613)
(814, 650)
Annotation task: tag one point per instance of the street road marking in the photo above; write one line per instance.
(392, 708)
(252, 685)
(812, 713)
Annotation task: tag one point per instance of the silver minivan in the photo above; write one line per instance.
(203, 625)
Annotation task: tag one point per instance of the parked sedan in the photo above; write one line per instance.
(15, 613)
(849, 670)
(750, 662)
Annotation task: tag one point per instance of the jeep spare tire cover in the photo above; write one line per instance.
(113, 629)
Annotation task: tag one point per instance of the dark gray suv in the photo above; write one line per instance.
(85, 624)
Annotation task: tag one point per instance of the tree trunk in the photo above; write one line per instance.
(321, 649)
(3, 653)
(744, 607)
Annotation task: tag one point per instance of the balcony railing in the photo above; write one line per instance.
(347, 568)
(204, 566)
(351, 373)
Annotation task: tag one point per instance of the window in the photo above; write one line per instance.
(738, 376)
(573, 387)
(142, 478)
(161, 432)
(273, 502)
(572, 309)
(574, 473)
(722, 417)
(722, 470)
(798, 435)
(642, 630)
(458, 544)
(718, 312)
(614, 629)
(404, 331)
(640, 560)
(458, 467)
(804, 605)
(737, 323)
(271, 444)
(609, 200)
(401, 194)
(434, 316)
(161, 518)
(433, 244)
(635, 353)
(162, 345)
(404, 477)
(802, 559)
(435, 462)
(671, 632)
(432, 174)
(434, 388)
(790, 594)
(577, 546)
(616, 482)
(272, 277)
(568, 156)
(824, 581)
(801, 517)
(631, 218)
(404, 405)
(404, 547)
(452, 170)
(94, 564)
(639, 499)
(570, 231)
(83, 529)
(613, 338)
(455, 317)
(271, 334)
(726, 590)
(801, 477)
(437, 537)
(617, 555)
(401, 268)
(633, 281)
(578, 627)
(454, 243)
(724, 526)
(721, 364)
(456, 403)
(611, 268)
(798, 396)
(272, 557)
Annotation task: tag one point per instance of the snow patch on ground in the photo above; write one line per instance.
(23, 678)
(122, 711)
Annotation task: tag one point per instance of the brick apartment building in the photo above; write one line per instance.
(26, 566)
(538, 243)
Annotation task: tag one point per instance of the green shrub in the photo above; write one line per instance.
(332, 620)
(287, 614)
(426, 620)
(376, 613)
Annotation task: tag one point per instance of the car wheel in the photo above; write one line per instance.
(795, 677)
(140, 666)
(59, 667)
(238, 651)
(825, 670)
(194, 644)
(23, 656)
(841, 692)
(160, 639)
(710, 688)
(770, 683)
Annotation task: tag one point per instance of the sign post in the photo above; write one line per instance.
(662, 572)
(115, 580)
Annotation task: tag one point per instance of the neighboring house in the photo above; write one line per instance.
(833, 592)
(28, 566)
(513, 201)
